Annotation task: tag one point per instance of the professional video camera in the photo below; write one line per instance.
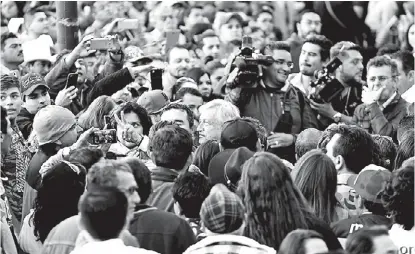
(248, 63)
(326, 86)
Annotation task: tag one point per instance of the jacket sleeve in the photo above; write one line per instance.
(56, 78)
(381, 125)
(110, 84)
(25, 126)
(184, 237)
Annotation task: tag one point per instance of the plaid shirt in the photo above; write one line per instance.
(14, 167)
(379, 120)
(228, 244)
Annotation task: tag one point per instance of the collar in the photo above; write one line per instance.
(164, 174)
(272, 89)
(393, 99)
(409, 95)
(342, 178)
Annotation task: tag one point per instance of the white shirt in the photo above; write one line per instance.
(109, 247)
(402, 238)
(409, 95)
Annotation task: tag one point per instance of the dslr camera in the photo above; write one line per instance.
(249, 64)
(326, 86)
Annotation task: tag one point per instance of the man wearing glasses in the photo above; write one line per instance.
(275, 104)
(383, 107)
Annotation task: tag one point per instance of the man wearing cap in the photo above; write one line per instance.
(153, 101)
(367, 185)
(223, 216)
(37, 57)
(229, 28)
(236, 133)
(16, 161)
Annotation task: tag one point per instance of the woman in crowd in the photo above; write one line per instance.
(57, 199)
(316, 178)
(204, 83)
(204, 154)
(301, 241)
(274, 206)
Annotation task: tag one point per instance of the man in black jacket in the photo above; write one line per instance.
(156, 229)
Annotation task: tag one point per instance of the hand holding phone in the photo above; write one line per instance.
(104, 137)
(103, 43)
(72, 80)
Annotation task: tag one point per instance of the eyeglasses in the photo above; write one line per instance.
(282, 62)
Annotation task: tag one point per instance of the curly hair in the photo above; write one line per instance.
(54, 203)
(398, 196)
(273, 204)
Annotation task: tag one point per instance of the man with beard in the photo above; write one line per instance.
(315, 53)
(275, 104)
(11, 54)
(310, 23)
(178, 60)
(349, 74)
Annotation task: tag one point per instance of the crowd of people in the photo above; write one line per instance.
(208, 127)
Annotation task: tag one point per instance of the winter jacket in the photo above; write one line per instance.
(162, 182)
(377, 121)
(161, 231)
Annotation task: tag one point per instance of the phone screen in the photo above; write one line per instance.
(156, 79)
(71, 80)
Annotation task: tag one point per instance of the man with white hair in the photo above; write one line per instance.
(212, 116)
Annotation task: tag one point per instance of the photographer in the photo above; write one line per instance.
(383, 107)
(269, 100)
(349, 74)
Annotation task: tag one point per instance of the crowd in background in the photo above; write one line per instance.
(180, 137)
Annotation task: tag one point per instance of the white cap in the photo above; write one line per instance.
(36, 50)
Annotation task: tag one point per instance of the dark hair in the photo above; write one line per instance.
(355, 145)
(179, 106)
(398, 196)
(187, 90)
(177, 46)
(294, 242)
(306, 141)
(133, 107)
(142, 176)
(86, 157)
(103, 212)
(379, 61)
(362, 240)
(316, 178)
(300, 17)
(190, 189)
(204, 154)
(57, 197)
(3, 121)
(374, 208)
(388, 49)
(407, 59)
(49, 149)
(171, 147)
(405, 149)
(196, 73)
(260, 129)
(406, 123)
(277, 45)
(273, 204)
(157, 127)
(323, 42)
(9, 81)
(6, 36)
(385, 151)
